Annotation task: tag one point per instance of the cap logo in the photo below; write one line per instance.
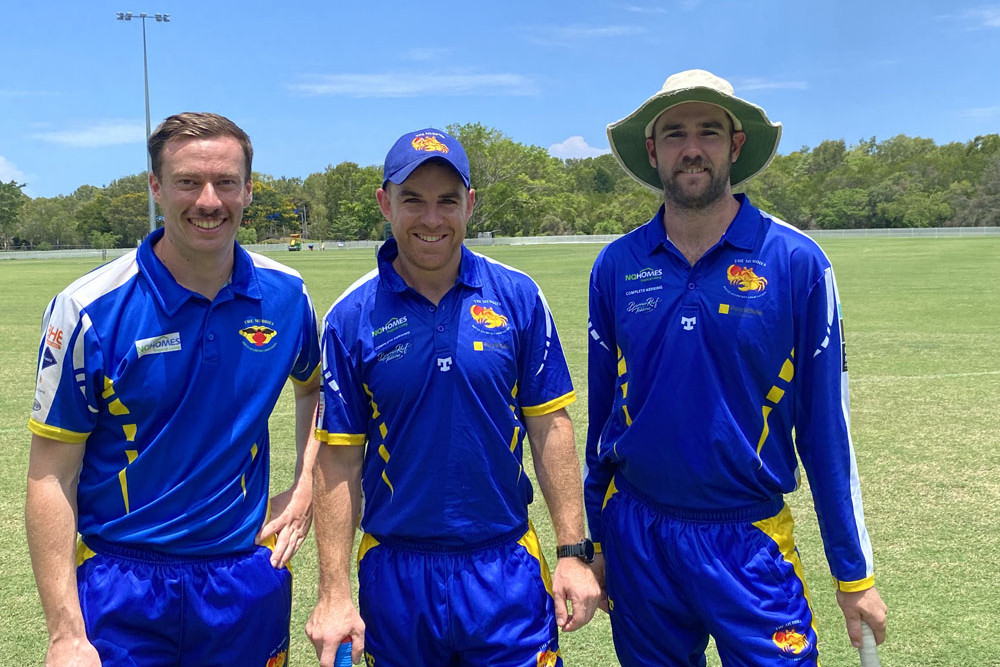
(428, 143)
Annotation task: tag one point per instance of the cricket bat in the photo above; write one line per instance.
(868, 650)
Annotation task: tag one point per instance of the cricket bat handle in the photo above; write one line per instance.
(868, 650)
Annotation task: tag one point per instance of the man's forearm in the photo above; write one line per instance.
(51, 526)
(306, 446)
(557, 468)
(336, 502)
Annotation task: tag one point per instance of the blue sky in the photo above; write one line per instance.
(318, 83)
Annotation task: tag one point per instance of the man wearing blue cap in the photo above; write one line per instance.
(441, 361)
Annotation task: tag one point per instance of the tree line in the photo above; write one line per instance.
(521, 190)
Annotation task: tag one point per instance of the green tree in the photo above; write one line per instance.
(11, 202)
(349, 199)
(271, 213)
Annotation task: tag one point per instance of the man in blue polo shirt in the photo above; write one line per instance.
(715, 331)
(436, 365)
(156, 377)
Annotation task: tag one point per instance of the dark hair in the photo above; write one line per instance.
(192, 124)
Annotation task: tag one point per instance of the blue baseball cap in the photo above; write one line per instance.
(414, 148)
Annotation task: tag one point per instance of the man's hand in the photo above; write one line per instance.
(72, 652)
(292, 512)
(597, 567)
(332, 621)
(574, 583)
(864, 606)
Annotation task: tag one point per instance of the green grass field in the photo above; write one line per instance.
(922, 318)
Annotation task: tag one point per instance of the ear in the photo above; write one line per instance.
(470, 203)
(384, 204)
(248, 193)
(739, 138)
(154, 186)
(651, 152)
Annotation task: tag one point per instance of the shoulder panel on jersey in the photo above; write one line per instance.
(263, 262)
(102, 280)
(355, 286)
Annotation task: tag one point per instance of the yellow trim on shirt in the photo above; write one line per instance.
(347, 439)
(550, 406)
(855, 586)
(55, 433)
(312, 376)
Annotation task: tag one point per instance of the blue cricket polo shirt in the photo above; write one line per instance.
(440, 394)
(171, 393)
(698, 376)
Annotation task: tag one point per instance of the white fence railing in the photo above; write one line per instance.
(269, 248)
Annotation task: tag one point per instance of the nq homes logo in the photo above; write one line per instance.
(170, 342)
(394, 323)
(645, 275)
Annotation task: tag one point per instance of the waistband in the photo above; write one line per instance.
(143, 554)
(431, 547)
(745, 514)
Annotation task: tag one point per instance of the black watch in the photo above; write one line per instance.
(584, 549)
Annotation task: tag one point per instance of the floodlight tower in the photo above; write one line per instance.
(160, 18)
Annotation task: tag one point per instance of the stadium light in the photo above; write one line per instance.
(160, 18)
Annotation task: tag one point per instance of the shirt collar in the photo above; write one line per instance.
(469, 272)
(171, 295)
(741, 233)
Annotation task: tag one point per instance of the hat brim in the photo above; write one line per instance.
(627, 136)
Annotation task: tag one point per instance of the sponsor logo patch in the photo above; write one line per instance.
(397, 352)
(646, 306)
(170, 342)
(54, 338)
(48, 359)
(644, 275)
(391, 325)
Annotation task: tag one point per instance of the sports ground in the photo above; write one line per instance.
(922, 318)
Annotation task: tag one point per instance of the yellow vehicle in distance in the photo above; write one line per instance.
(295, 241)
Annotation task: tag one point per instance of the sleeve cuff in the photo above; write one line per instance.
(343, 439)
(549, 406)
(855, 586)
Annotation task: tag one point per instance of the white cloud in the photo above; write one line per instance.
(984, 17)
(575, 147)
(104, 133)
(423, 54)
(637, 9)
(9, 171)
(416, 85)
(982, 112)
(573, 34)
(764, 84)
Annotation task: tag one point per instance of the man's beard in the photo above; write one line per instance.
(677, 196)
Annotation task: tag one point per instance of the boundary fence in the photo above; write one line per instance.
(279, 248)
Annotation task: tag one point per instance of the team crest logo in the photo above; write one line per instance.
(278, 660)
(258, 336)
(745, 279)
(790, 641)
(549, 658)
(487, 317)
(429, 143)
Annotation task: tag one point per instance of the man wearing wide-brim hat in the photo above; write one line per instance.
(716, 353)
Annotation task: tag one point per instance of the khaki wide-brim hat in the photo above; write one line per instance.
(628, 136)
